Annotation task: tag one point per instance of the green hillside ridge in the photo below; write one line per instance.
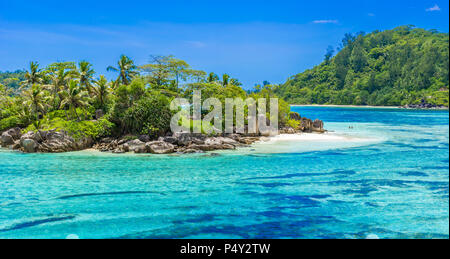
(401, 66)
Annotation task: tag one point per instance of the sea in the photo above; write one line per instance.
(377, 173)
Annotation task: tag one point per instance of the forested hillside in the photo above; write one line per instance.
(395, 67)
(12, 79)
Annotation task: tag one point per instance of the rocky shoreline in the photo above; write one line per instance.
(424, 105)
(53, 141)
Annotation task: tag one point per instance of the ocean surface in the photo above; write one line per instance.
(378, 173)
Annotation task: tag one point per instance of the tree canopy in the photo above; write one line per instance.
(401, 66)
(69, 96)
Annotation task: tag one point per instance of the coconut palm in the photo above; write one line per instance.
(73, 97)
(126, 68)
(225, 79)
(34, 76)
(86, 74)
(101, 90)
(212, 77)
(59, 76)
(36, 101)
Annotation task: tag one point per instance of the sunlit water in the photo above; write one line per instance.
(380, 173)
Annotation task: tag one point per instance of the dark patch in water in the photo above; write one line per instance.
(105, 193)
(275, 214)
(303, 200)
(397, 144)
(249, 193)
(435, 167)
(270, 185)
(372, 182)
(287, 176)
(364, 191)
(180, 191)
(413, 173)
(371, 204)
(342, 172)
(37, 222)
(13, 204)
(188, 207)
(424, 140)
(199, 219)
(265, 230)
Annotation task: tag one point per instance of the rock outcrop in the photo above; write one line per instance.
(10, 136)
(59, 141)
(295, 116)
(47, 141)
(29, 145)
(159, 147)
(424, 105)
(6, 139)
(317, 126)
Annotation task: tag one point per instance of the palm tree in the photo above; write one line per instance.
(86, 74)
(212, 77)
(73, 97)
(234, 81)
(35, 100)
(34, 76)
(225, 79)
(59, 78)
(101, 90)
(126, 68)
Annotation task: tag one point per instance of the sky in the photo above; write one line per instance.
(253, 41)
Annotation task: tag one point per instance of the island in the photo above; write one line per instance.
(62, 108)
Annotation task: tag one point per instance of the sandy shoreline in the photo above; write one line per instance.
(365, 106)
(346, 106)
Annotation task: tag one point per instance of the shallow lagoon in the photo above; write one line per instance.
(386, 176)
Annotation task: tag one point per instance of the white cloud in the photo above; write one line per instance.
(434, 8)
(325, 21)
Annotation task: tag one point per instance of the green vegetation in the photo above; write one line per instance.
(394, 67)
(12, 79)
(67, 96)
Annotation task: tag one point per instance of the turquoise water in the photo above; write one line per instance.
(385, 177)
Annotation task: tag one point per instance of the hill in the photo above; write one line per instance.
(12, 79)
(401, 66)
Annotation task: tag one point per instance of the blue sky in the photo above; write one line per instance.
(251, 40)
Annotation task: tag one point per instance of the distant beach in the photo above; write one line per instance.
(364, 106)
(346, 106)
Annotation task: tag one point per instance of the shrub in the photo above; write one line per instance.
(150, 115)
(293, 123)
(77, 129)
(10, 122)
